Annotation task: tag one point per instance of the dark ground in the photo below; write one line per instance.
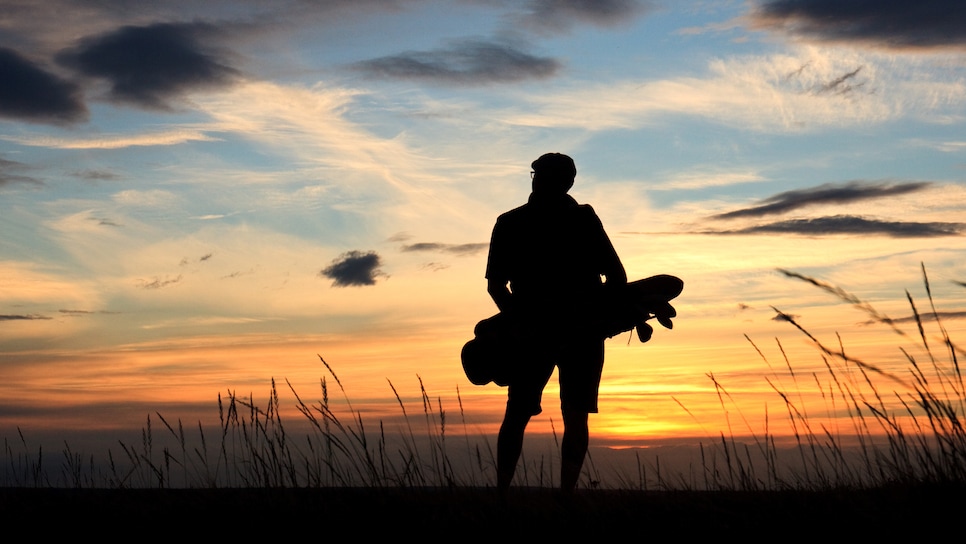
(473, 514)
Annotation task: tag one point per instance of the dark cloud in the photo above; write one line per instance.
(27, 317)
(104, 222)
(456, 249)
(850, 224)
(353, 268)
(96, 175)
(435, 267)
(465, 63)
(824, 194)
(843, 84)
(8, 175)
(927, 316)
(77, 313)
(897, 24)
(150, 66)
(561, 15)
(29, 93)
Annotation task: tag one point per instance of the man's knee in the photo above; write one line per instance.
(574, 418)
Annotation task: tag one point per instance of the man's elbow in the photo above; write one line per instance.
(616, 277)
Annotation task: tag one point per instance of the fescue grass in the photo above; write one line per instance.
(904, 427)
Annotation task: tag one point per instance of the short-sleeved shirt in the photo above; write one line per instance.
(552, 253)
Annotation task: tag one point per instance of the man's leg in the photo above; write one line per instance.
(580, 372)
(509, 444)
(574, 448)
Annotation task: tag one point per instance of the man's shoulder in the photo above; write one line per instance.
(587, 213)
(516, 214)
(525, 214)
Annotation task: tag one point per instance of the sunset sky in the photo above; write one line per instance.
(198, 197)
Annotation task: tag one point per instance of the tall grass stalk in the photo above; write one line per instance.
(906, 425)
(901, 426)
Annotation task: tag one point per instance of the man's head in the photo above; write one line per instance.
(553, 173)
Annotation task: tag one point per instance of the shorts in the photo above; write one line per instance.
(579, 365)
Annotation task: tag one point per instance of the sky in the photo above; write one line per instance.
(196, 198)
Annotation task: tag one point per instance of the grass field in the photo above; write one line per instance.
(903, 459)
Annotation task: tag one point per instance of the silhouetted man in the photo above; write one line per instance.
(544, 272)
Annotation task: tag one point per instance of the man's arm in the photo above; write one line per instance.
(500, 294)
(611, 266)
(613, 270)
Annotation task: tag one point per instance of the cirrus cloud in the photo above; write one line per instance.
(470, 62)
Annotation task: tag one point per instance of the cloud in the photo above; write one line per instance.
(929, 316)
(824, 194)
(456, 249)
(15, 317)
(892, 24)
(851, 224)
(149, 66)
(701, 178)
(29, 93)
(470, 62)
(353, 268)
(561, 15)
(96, 175)
(158, 283)
(842, 84)
(170, 137)
(104, 222)
(8, 178)
(814, 88)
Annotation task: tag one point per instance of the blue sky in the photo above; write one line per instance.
(326, 174)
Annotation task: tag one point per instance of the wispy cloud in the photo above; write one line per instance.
(703, 178)
(929, 316)
(30, 93)
(561, 15)
(118, 141)
(851, 224)
(22, 317)
(810, 89)
(470, 62)
(842, 84)
(96, 175)
(852, 192)
(952, 147)
(893, 24)
(456, 249)
(354, 268)
(8, 175)
(152, 66)
(158, 283)
(78, 313)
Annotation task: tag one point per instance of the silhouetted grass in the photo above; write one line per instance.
(906, 425)
(905, 428)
